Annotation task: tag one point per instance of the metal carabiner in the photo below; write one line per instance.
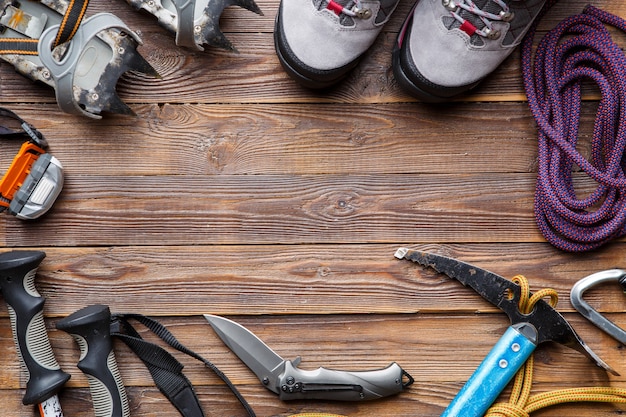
(576, 297)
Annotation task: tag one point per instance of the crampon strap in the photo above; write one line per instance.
(69, 25)
(164, 368)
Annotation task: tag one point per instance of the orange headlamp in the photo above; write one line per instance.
(34, 179)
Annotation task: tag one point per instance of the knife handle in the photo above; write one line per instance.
(90, 327)
(494, 373)
(329, 384)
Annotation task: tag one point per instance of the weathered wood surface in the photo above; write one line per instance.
(236, 192)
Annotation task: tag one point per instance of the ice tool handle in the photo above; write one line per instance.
(90, 327)
(527, 331)
(25, 305)
(494, 373)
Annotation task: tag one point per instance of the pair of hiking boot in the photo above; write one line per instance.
(444, 48)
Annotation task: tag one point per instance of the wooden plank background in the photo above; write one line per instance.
(236, 192)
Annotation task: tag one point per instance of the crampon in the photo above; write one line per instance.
(195, 22)
(82, 59)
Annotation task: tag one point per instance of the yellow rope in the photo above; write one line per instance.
(521, 403)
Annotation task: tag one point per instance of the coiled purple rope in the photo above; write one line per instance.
(579, 49)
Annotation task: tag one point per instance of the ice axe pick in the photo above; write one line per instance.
(519, 341)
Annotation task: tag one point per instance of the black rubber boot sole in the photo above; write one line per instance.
(409, 77)
(302, 73)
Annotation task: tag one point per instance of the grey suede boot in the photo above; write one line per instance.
(446, 47)
(319, 41)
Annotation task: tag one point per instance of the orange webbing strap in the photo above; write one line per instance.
(521, 403)
(18, 171)
(69, 25)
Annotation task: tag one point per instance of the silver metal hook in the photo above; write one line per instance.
(576, 297)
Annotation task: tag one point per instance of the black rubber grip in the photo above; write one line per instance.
(90, 327)
(17, 282)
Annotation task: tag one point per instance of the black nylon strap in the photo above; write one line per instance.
(18, 46)
(71, 20)
(164, 368)
(28, 131)
(167, 374)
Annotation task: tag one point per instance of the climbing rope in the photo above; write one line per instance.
(521, 403)
(579, 49)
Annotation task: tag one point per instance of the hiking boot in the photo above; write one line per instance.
(318, 42)
(446, 47)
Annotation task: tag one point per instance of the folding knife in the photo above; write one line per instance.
(283, 377)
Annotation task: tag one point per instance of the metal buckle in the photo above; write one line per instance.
(576, 297)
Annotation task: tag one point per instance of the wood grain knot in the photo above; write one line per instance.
(337, 204)
(323, 271)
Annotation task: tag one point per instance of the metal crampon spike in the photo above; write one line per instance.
(210, 28)
(193, 24)
(103, 97)
(84, 70)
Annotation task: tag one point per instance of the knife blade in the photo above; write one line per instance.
(283, 377)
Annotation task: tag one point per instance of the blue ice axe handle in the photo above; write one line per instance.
(495, 372)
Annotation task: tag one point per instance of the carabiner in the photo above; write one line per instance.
(576, 297)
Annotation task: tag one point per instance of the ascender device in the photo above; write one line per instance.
(519, 341)
(34, 179)
(283, 377)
